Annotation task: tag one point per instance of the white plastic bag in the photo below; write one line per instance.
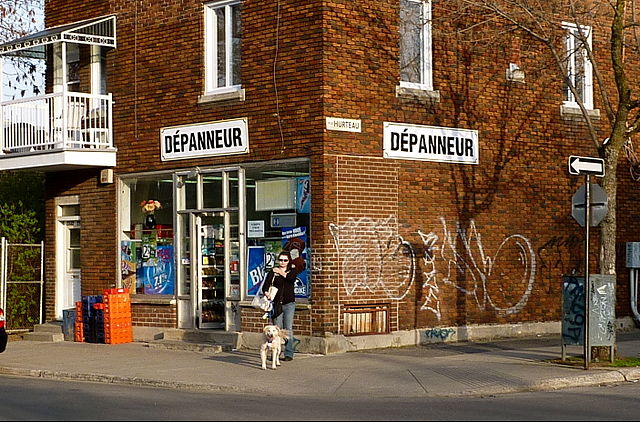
(260, 301)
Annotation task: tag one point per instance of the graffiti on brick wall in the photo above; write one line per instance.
(430, 285)
(502, 282)
(316, 263)
(559, 255)
(441, 334)
(374, 257)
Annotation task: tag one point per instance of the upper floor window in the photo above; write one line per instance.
(578, 65)
(223, 46)
(415, 44)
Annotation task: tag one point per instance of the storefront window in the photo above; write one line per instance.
(278, 218)
(275, 207)
(147, 246)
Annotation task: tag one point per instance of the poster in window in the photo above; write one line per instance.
(271, 250)
(255, 269)
(303, 195)
(146, 257)
(294, 240)
(159, 273)
(128, 265)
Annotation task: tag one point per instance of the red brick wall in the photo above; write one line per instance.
(145, 315)
(251, 321)
(517, 199)
(444, 244)
(98, 231)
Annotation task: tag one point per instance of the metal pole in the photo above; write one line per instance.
(587, 289)
(3, 274)
(41, 281)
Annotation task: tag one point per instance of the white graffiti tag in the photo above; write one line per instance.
(503, 283)
(374, 257)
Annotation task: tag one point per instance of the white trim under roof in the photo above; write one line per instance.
(98, 31)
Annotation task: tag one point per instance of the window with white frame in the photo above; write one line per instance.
(415, 44)
(223, 46)
(578, 65)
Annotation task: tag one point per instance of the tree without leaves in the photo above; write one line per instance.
(17, 19)
(483, 22)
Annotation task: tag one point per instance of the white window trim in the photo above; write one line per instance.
(211, 48)
(588, 68)
(426, 71)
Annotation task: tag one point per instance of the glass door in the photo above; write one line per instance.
(210, 244)
(211, 271)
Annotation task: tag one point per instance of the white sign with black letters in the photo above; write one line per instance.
(224, 137)
(344, 125)
(255, 228)
(431, 143)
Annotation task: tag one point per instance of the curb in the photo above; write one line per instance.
(112, 379)
(595, 378)
(630, 374)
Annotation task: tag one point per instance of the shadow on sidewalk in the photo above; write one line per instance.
(238, 357)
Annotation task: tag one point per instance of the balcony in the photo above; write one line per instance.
(57, 132)
(71, 128)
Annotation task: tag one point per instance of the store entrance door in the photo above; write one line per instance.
(210, 244)
(210, 271)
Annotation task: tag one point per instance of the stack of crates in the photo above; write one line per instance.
(117, 316)
(93, 319)
(79, 325)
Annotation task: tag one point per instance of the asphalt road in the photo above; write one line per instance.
(38, 399)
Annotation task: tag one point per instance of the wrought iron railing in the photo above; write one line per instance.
(56, 121)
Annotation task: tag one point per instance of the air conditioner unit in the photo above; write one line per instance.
(276, 194)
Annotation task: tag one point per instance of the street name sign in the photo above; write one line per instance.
(586, 166)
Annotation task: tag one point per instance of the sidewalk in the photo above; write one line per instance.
(452, 369)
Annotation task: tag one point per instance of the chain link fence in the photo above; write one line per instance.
(21, 284)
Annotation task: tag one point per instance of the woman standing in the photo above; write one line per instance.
(283, 277)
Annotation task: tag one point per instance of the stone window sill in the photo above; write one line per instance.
(226, 96)
(574, 113)
(417, 94)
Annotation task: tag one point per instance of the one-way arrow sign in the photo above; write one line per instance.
(586, 165)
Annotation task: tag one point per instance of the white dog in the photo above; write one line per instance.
(274, 338)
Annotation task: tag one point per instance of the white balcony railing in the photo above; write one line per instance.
(56, 122)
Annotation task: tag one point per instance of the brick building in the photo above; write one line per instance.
(419, 179)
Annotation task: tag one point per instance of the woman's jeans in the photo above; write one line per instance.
(285, 321)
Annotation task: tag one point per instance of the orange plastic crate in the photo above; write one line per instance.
(120, 338)
(115, 291)
(78, 335)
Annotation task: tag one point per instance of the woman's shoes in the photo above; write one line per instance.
(287, 358)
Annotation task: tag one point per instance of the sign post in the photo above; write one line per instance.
(586, 166)
(587, 217)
